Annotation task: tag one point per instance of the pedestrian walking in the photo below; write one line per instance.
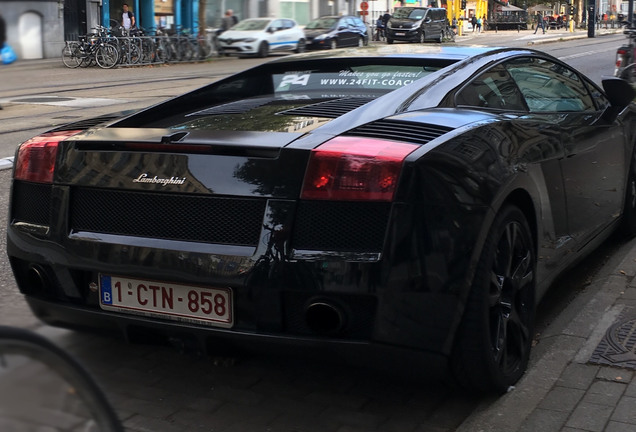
(540, 23)
(479, 22)
(473, 22)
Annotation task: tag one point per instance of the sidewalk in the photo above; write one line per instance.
(581, 373)
(529, 36)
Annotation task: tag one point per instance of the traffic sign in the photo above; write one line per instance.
(364, 12)
(364, 6)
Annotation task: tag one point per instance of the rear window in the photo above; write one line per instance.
(382, 78)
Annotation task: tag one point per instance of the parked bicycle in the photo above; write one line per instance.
(95, 48)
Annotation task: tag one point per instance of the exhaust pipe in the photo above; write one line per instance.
(37, 279)
(324, 317)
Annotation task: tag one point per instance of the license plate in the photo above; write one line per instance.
(178, 302)
(400, 34)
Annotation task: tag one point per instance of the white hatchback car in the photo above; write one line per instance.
(260, 36)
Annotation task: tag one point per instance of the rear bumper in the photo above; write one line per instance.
(217, 341)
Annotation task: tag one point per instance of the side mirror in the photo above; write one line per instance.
(619, 92)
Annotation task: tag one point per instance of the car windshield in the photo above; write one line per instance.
(251, 25)
(409, 13)
(322, 23)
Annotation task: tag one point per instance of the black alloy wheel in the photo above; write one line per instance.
(494, 339)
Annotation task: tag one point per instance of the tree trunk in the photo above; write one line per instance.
(202, 24)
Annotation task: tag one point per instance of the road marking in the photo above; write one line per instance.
(6, 163)
(582, 54)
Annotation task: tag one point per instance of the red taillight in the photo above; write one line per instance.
(354, 168)
(621, 54)
(36, 157)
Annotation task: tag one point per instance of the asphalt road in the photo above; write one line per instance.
(156, 388)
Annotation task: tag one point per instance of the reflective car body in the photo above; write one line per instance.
(330, 32)
(261, 36)
(397, 201)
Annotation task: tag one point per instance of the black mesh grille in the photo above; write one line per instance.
(87, 123)
(168, 216)
(416, 133)
(328, 109)
(31, 203)
(340, 226)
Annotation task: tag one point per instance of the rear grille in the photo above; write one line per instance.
(328, 109)
(167, 216)
(32, 203)
(87, 123)
(340, 226)
(416, 133)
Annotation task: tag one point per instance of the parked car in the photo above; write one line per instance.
(331, 32)
(416, 24)
(410, 205)
(262, 36)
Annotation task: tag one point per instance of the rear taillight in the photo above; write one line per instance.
(354, 169)
(621, 55)
(35, 161)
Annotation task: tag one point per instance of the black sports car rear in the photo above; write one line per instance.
(395, 200)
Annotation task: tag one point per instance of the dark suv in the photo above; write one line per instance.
(336, 32)
(416, 24)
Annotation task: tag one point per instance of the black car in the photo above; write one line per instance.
(380, 203)
(331, 32)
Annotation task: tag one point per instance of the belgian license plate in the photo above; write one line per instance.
(400, 34)
(178, 302)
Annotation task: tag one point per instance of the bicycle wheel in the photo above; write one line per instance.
(71, 55)
(31, 364)
(106, 56)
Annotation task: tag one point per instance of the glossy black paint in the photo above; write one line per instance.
(405, 293)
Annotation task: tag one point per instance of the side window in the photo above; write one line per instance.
(492, 89)
(276, 25)
(550, 87)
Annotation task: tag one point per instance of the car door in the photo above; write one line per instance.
(533, 146)
(278, 35)
(594, 161)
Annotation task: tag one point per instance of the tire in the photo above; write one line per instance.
(422, 37)
(300, 48)
(263, 50)
(333, 44)
(629, 73)
(628, 224)
(71, 55)
(106, 56)
(389, 41)
(493, 342)
(360, 42)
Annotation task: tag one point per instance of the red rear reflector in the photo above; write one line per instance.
(35, 161)
(354, 169)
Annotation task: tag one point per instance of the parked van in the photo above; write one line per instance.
(416, 24)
